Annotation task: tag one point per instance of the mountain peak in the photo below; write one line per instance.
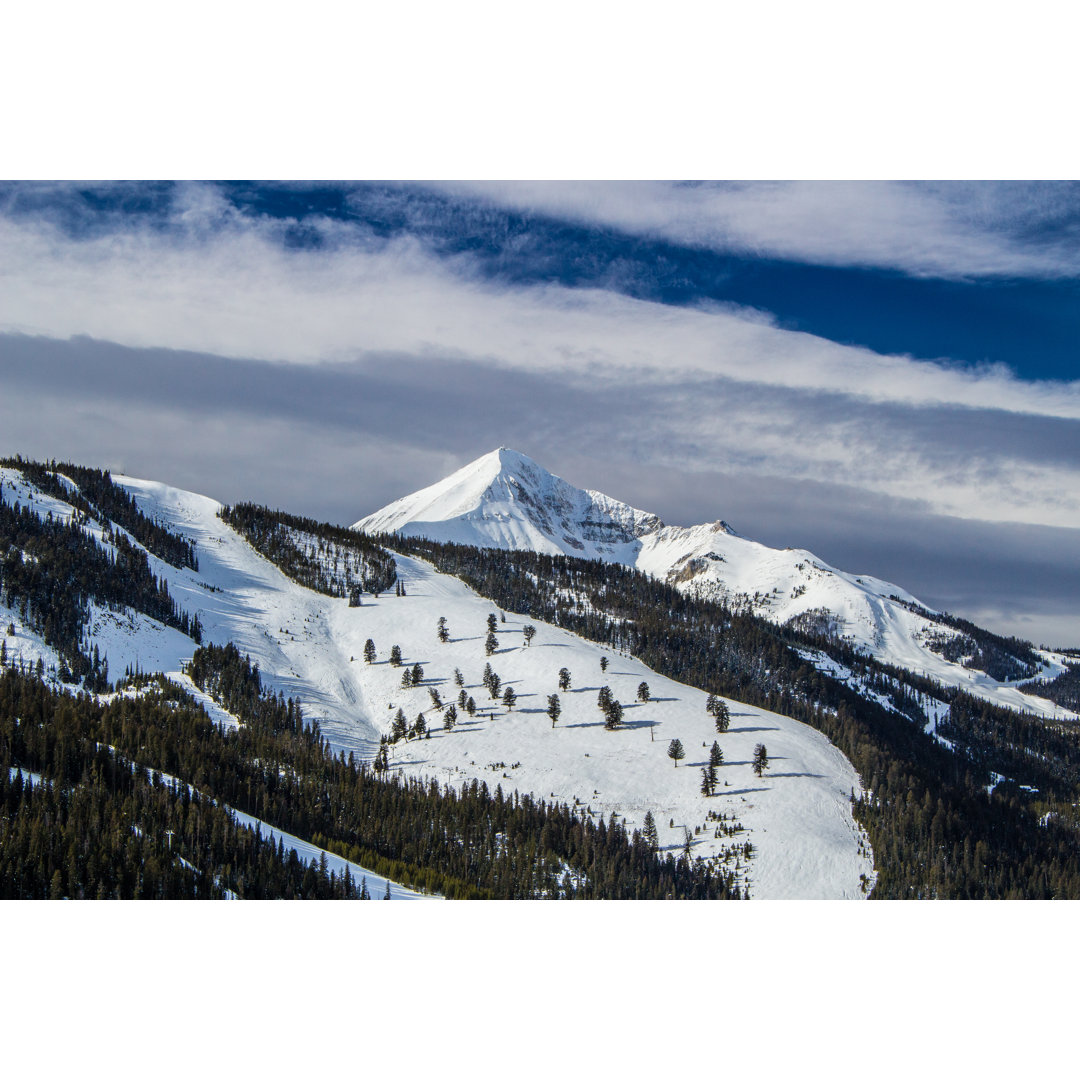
(505, 499)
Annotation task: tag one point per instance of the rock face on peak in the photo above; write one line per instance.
(506, 500)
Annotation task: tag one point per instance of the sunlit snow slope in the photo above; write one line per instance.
(797, 817)
(506, 500)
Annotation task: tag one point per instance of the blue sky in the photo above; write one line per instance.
(885, 373)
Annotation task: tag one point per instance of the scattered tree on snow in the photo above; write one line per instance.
(717, 708)
(554, 708)
(761, 759)
(675, 751)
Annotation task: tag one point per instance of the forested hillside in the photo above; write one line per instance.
(936, 829)
(98, 822)
(50, 571)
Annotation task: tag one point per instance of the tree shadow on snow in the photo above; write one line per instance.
(747, 730)
(739, 791)
(809, 775)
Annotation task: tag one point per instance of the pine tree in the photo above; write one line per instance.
(643, 694)
(442, 632)
(470, 706)
(564, 679)
(716, 755)
(419, 728)
(492, 623)
(613, 715)
(436, 699)
(364, 894)
(603, 663)
(491, 643)
(407, 678)
(509, 697)
(386, 895)
(675, 751)
(400, 727)
(554, 708)
(648, 832)
(417, 674)
(708, 780)
(462, 698)
(395, 656)
(459, 679)
(603, 699)
(369, 651)
(529, 632)
(717, 708)
(761, 759)
(450, 717)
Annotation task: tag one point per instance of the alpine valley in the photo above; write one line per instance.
(501, 686)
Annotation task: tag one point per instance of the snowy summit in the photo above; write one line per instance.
(505, 500)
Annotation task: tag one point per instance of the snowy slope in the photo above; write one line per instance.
(505, 500)
(797, 817)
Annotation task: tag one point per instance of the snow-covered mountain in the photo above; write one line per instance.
(506, 500)
(310, 647)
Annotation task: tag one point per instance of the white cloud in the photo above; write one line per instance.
(954, 230)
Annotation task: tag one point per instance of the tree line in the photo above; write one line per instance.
(96, 496)
(329, 559)
(50, 570)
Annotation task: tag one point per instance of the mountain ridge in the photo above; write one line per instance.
(506, 500)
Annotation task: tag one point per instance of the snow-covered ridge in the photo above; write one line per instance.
(506, 500)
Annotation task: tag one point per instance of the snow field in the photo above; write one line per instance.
(797, 816)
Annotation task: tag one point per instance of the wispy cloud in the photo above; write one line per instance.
(950, 230)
